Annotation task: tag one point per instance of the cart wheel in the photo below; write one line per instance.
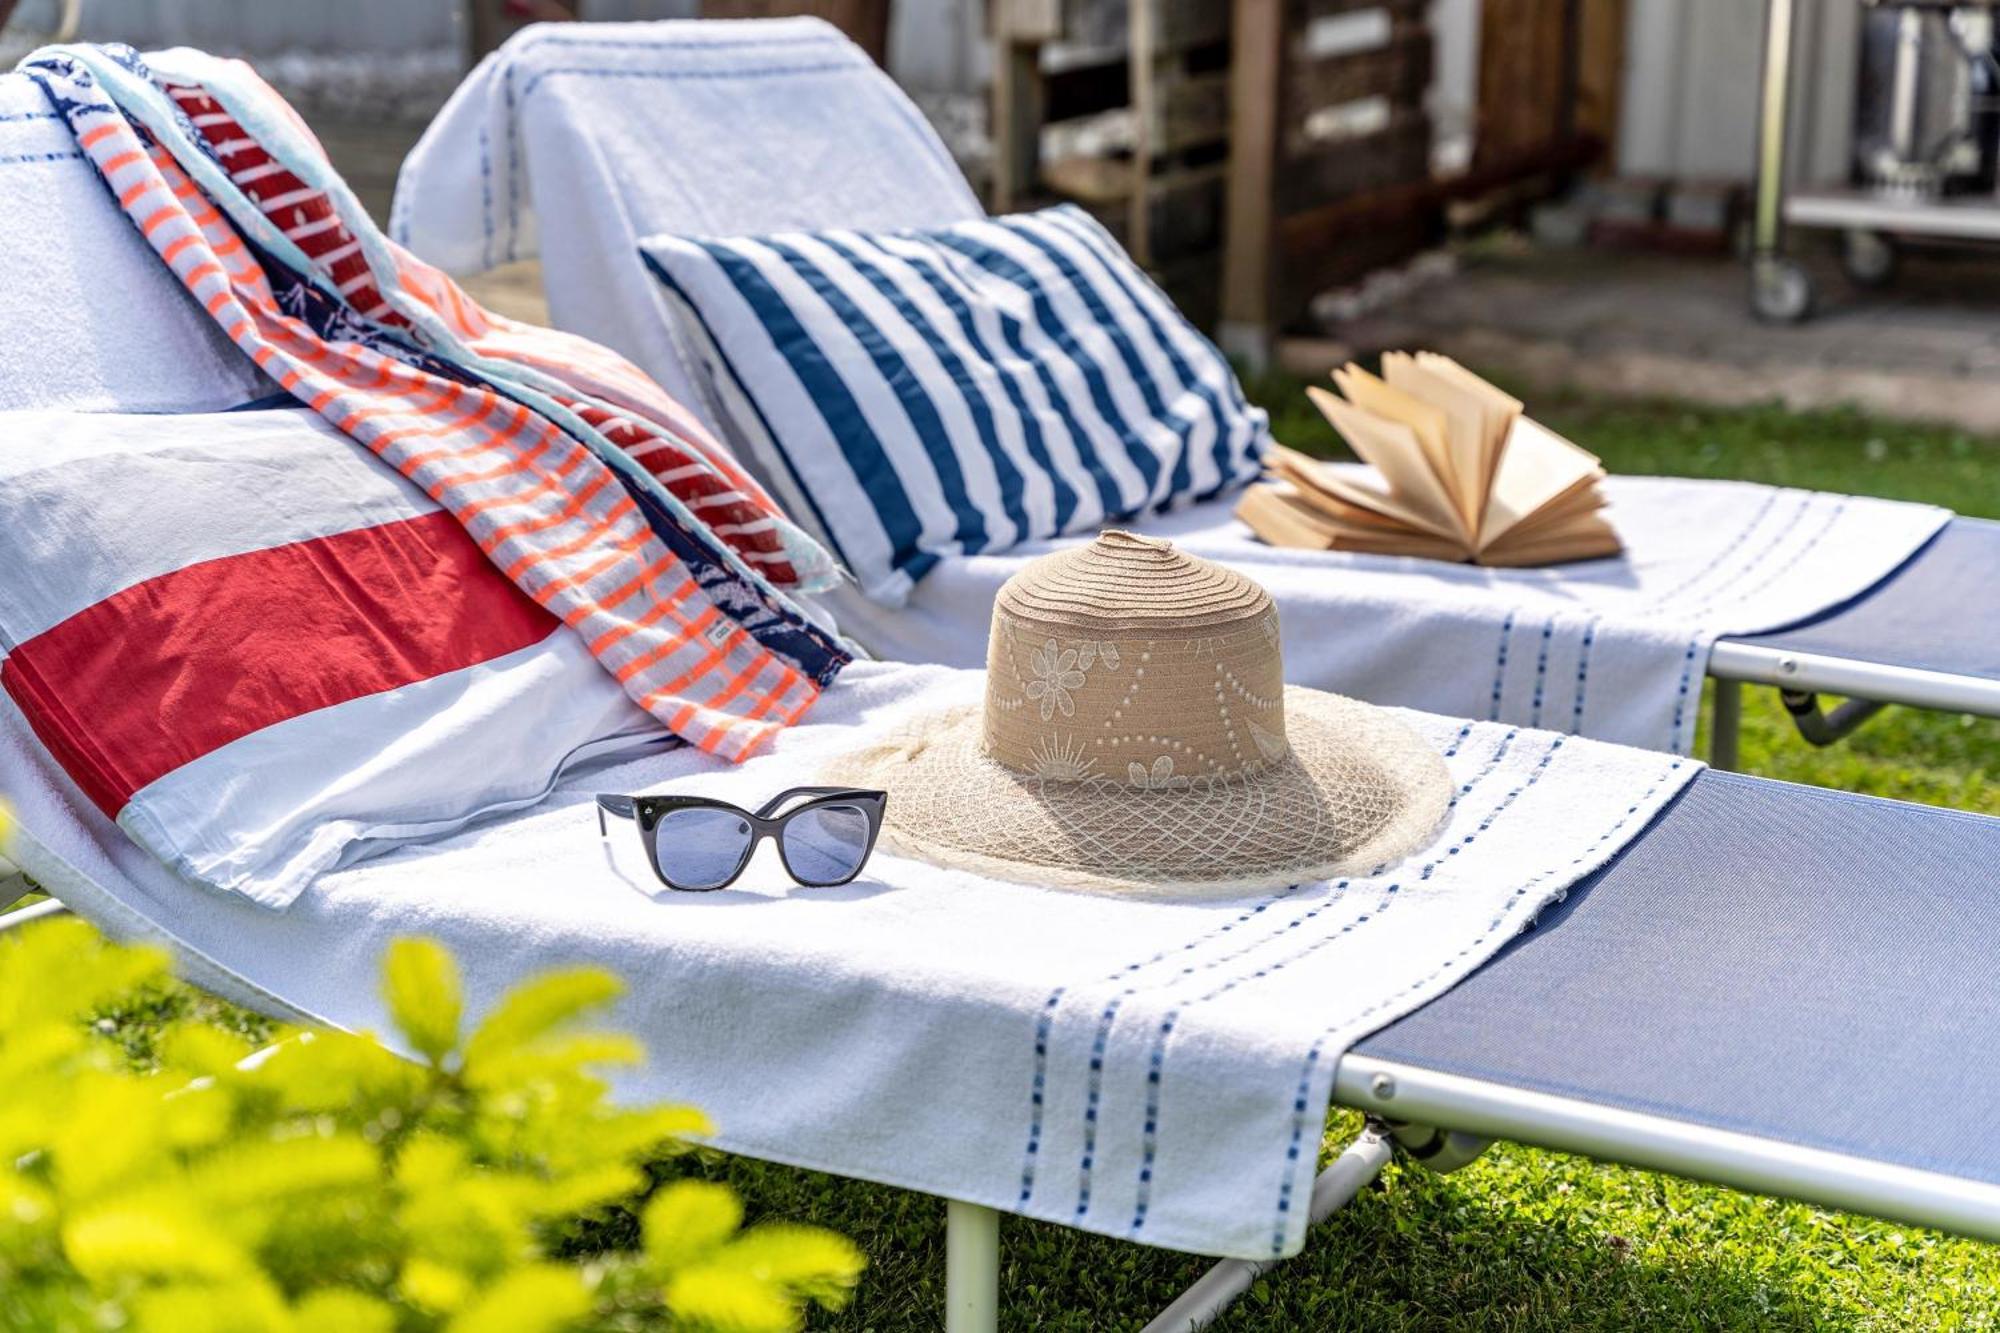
(1868, 256)
(1781, 292)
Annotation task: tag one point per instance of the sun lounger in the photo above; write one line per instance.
(1922, 638)
(1748, 993)
(554, 114)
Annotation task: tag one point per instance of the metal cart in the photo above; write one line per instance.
(1781, 290)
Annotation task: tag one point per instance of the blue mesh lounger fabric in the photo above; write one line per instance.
(1936, 613)
(1802, 965)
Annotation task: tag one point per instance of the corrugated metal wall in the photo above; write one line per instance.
(1690, 89)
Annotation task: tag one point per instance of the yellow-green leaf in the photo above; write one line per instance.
(201, 1050)
(247, 1305)
(420, 984)
(538, 1007)
(687, 1219)
(154, 1237)
(538, 1298)
(807, 1261)
(434, 1286)
(337, 1310)
(728, 1300)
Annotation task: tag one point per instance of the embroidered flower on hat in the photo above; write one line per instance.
(1056, 674)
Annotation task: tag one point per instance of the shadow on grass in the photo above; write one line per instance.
(1515, 1242)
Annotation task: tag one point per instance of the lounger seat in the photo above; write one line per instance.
(1777, 987)
(1923, 637)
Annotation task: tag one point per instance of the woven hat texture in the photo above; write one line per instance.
(1137, 736)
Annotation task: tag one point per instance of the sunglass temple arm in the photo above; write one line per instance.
(622, 806)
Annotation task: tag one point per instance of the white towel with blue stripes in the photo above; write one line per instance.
(1612, 649)
(1148, 1069)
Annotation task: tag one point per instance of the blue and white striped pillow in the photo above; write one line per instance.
(959, 389)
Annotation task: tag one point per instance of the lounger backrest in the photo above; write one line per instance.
(90, 320)
(572, 141)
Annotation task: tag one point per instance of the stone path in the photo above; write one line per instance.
(1927, 347)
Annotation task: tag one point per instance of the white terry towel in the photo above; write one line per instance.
(1153, 1070)
(1612, 649)
(96, 323)
(572, 140)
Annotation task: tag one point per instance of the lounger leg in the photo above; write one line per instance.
(971, 1268)
(1725, 724)
(39, 912)
(1203, 1303)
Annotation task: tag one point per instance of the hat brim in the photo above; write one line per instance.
(1359, 790)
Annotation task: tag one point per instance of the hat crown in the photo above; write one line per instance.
(1130, 661)
(1123, 581)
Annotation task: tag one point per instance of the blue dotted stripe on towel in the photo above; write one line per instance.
(1764, 552)
(1500, 668)
(1542, 671)
(71, 155)
(485, 198)
(1302, 1099)
(1046, 1020)
(1681, 713)
(544, 42)
(1100, 1040)
(1772, 576)
(1299, 1101)
(488, 220)
(1038, 1089)
(1749, 529)
(1583, 674)
(1157, 1058)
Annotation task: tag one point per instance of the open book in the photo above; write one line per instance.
(1459, 474)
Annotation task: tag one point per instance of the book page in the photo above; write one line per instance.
(1537, 468)
(1353, 496)
(1427, 423)
(1393, 449)
(1283, 516)
(1465, 428)
(1498, 409)
(1590, 537)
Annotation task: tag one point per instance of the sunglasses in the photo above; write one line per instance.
(698, 845)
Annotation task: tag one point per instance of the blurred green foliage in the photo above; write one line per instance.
(327, 1185)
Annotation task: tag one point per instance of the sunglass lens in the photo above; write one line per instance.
(826, 844)
(701, 848)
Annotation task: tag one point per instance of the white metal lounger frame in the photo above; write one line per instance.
(1732, 665)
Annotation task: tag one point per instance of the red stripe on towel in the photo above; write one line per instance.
(178, 666)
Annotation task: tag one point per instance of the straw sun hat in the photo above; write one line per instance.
(1137, 735)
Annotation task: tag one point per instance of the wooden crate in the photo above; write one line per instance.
(1327, 124)
(1165, 60)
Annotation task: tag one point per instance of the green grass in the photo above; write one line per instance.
(1522, 1239)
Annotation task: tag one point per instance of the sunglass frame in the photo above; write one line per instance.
(648, 811)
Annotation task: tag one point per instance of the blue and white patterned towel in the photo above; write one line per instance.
(1612, 649)
(1147, 1069)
